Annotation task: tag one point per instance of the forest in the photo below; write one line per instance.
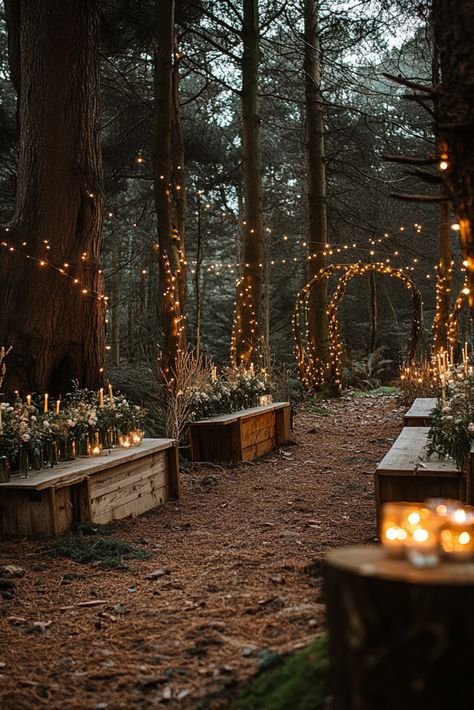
(195, 388)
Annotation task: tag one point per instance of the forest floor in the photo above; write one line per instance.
(237, 565)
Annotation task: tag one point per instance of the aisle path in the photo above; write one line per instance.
(242, 553)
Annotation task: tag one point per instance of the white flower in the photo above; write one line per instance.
(26, 438)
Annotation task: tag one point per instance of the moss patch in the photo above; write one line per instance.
(300, 682)
(105, 552)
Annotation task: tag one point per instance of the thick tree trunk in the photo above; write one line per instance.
(55, 323)
(197, 280)
(453, 30)
(168, 238)
(443, 284)
(249, 293)
(373, 311)
(178, 178)
(317, 211)
(115, 298)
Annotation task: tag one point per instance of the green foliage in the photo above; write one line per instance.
(96, 548)
(312, 405)
(377, 392)
(368, 372)
(452, 422)
(299, 683)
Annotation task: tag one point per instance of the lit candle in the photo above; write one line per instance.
(443, 389)
(251, 369)
(457, 538)
(111, 395)
(45, 403)
(28, 400)
(58, 405)
(136, 437)
(125, 441)
(101, 397)
(421, 544)
(214, 374)
(393, 534)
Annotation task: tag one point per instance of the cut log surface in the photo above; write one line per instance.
(400, 637)
(419, 413)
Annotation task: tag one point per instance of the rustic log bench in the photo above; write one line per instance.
(98, 489)
(419, 413)
(399, 636)
(241, 436)
(406, 474)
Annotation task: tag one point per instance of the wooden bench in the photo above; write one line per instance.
(406, 474)
(241, 436)
(98, 489)
(419, 413)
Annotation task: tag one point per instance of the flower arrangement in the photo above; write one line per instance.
(452, 420)
(231, 390)
(33, 436)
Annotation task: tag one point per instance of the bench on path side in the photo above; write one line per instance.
(97, 489)
(419, 413)
(241, 436)
(406, 474)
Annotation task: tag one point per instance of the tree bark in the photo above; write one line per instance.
(443, 284)
(56, 326)
(317, 209)
(249, 293)
(453, 25)
(400, 637)
(168, 238)
(178, 177)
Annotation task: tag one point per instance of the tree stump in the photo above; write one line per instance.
(400, 638)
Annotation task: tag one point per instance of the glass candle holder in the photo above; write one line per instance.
(393, 534)
(443, 506)
(94, 449)
(125, 441)
(136, 437)
(456, 537)
(421, 544)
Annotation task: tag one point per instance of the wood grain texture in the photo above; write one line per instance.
(241, 436)
(399, 637)
(124, 483)
(419, 413)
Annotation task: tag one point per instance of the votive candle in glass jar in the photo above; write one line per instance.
(393, 534)
(421, 544)
(125, 441)
(136, 437)
(456, 536)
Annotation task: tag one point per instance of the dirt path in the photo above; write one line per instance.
(242, 553)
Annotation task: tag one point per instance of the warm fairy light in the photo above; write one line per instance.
(443, 165)
(466, 290)
(455, 227)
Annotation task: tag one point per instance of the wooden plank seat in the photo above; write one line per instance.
(407, 474)
(98, 489)
(241, 436)
(419, 413)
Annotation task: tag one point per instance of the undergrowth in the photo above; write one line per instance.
(299, 682)
(94, 545)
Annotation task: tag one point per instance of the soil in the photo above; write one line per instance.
(240, 560)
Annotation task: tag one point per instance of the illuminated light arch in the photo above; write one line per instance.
(313, 373)
(311, 370)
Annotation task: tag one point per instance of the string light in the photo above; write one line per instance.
(314, 373)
